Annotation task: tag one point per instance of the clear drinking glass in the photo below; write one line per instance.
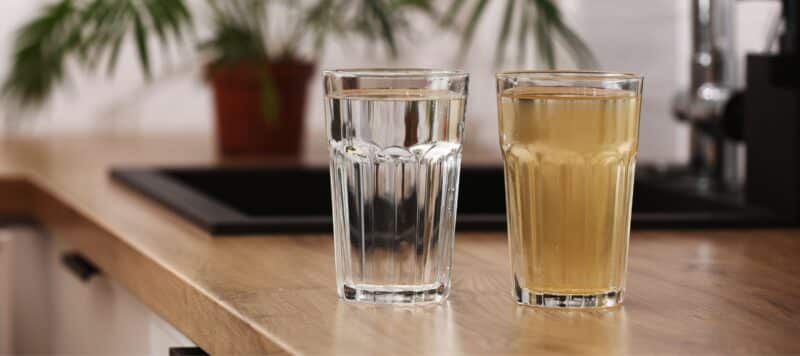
(395, 153)
(569, 142)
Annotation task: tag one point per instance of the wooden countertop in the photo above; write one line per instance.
(689, 292)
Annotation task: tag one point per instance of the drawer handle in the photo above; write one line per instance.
(186, 351)
(79, 266)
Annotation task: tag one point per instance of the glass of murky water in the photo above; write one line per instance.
(395, 153)
(569, 142)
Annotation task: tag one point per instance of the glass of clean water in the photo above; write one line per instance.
(395, 153)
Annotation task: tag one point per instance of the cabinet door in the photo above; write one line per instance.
(93, 316)
(6, 345)
(164, 336)
(28, 290)
(56, 312)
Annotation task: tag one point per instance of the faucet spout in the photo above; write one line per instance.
(711, 86)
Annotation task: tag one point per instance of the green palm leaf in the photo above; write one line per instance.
(505, 30)
(382, 18)
(522, 38)
(86, 31)
(89, 31)
(540, 19)
(140, 34)
(39, 50)
(452, 12)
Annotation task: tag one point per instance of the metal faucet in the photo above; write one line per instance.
(714, 158)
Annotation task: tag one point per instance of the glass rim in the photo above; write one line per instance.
(395, 73)
(597, 75)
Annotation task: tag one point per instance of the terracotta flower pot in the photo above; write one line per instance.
(242, 125)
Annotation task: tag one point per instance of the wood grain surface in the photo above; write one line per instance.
(689, 292)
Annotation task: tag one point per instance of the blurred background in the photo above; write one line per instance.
(651, 37)
(718, 148)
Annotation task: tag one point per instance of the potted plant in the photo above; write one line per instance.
(259, 95)
(260, 81)
(259, 78)
(258, 71)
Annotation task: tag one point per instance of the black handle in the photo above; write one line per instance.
(186, 351)
(733, 117)
(79, 266)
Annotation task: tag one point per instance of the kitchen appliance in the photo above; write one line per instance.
(772, 122)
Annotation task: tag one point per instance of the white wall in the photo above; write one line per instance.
(651, 37)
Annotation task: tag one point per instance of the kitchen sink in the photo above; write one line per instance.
(250, 200)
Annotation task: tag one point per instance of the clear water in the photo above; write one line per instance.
(395, 158)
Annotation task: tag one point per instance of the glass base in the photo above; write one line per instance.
(394, 294)
(576, 301)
